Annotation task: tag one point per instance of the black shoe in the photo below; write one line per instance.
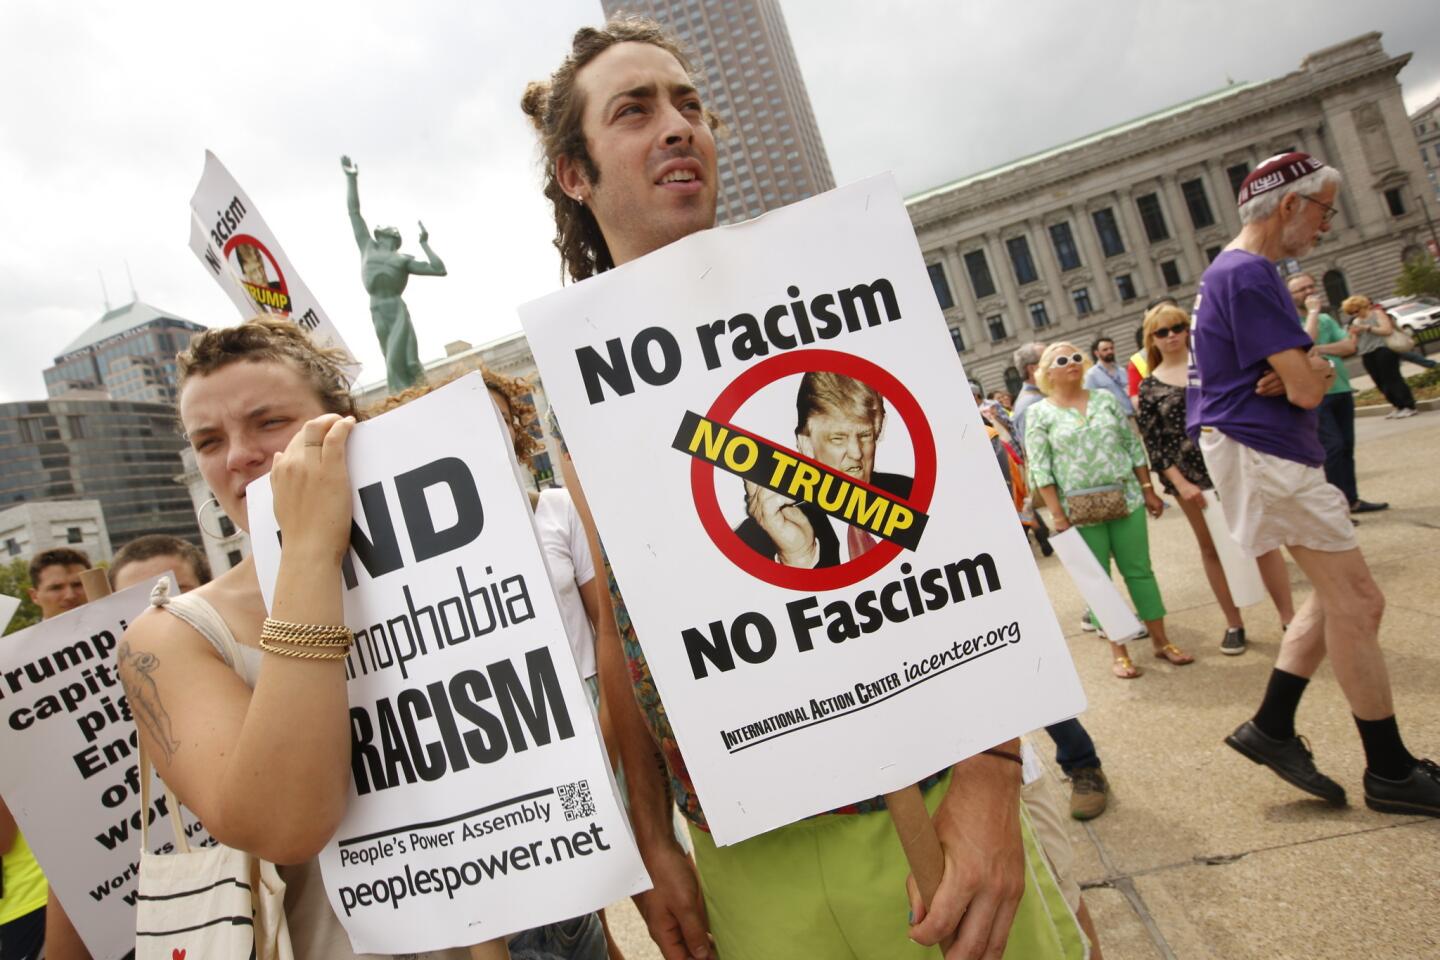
(1365, 506)
(1418, 793)
(1234, 642)
(1291, 761)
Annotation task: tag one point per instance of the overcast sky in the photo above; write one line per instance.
(108, 109)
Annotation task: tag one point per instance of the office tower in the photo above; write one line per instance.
(129, 353)
(747, 73)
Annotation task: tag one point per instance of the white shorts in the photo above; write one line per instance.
(1272, 502)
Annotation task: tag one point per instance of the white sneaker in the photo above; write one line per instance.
(1392, 414)
(1407, 412)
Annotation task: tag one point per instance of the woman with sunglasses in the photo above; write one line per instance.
(1086, 461)
(1176, 459)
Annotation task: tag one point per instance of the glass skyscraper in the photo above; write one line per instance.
(122, 453)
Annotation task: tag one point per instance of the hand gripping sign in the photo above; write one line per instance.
(70, 771)
(239, 250)
(807, 523)
(481, 803)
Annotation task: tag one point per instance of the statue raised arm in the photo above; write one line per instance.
(352, 202)
(435, 267)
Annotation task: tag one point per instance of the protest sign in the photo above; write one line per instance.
(1098, 590)
(481, 802)
(236, 246)
(8, 606)
(829, 613)
(71, 769)
(1242, 573)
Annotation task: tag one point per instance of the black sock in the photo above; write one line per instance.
(1276, 716)
(1385, 753)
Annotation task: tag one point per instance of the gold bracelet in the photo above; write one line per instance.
(335, 653)
(306, 634)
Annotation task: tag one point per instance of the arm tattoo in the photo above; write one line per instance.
(136, 673)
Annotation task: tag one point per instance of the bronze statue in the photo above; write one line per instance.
(385, 271)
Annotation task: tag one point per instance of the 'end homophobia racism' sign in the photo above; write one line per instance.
(820, 558)
(481, 801)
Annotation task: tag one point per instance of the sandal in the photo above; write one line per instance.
(1124, 668)
(1174, 655)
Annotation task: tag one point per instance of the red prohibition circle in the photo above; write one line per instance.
(245, 238)
(707, 504)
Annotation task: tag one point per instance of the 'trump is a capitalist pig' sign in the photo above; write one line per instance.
(481, 803)
(69, 766)
(816, 548)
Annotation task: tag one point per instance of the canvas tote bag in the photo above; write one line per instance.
(209, 903)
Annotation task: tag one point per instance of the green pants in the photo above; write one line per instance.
(833, 888)
(1128, 541)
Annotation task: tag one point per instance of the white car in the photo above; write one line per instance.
(1413, 313)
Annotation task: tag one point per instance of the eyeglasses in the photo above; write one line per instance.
(1165, 333)
(1329, 210)
(1072, 358)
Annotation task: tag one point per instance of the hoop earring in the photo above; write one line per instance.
(218, 533)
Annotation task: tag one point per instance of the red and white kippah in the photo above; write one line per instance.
(1276, 173)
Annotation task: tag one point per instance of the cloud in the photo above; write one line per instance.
(109, 110)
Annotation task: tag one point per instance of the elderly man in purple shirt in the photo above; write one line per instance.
(1255, 384)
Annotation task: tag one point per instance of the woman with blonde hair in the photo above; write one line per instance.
(1176, 459)
(1372, 325)
(1090, 469)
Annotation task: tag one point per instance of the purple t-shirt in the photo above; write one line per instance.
(1243, 314)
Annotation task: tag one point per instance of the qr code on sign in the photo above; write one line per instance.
(575, 799)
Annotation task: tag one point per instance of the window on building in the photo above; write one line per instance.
(1211, 253)
(996, 326)
(227, 526)
(1237, 175)
(979, 270)
(1125, 286)
(1064, 242)
(1152, 218)
(233, 558)
(958, 338)
(1108, 230)
(941, 285)
(1198, 203)
(1020, 259)
(72, 535)
(12, 547)
(1039, 316)
(1081, 297)
(1395, 200)
(1170, 270)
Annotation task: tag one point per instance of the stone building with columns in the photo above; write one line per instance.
(1074, 242)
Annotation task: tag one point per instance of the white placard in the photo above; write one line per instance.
(1096, 588)
(480, 797)
(239, 250)
(70, 772)
(791, 690)
(1242, 573)
(8, 606)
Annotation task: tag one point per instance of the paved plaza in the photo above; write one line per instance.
(1203, 854)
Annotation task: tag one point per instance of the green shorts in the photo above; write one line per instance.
(833, 888)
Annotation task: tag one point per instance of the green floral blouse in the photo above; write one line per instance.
(1078, 452)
